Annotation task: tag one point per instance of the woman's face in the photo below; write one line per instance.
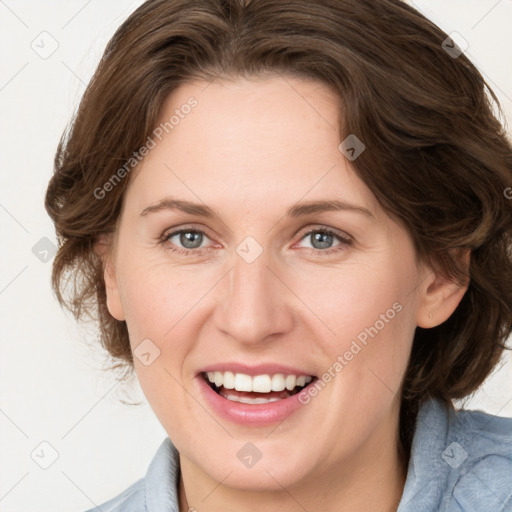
(264, 286)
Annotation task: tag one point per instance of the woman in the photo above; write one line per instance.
(291, 222)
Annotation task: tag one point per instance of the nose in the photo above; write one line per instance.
(255, 305)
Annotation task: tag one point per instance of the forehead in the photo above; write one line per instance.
(259, 141)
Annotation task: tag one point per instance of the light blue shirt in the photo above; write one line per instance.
(460, 462)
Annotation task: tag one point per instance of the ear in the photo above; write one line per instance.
(103, 247)
(439, 296)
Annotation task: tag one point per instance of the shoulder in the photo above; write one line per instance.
(482, 436)
(461, 461)
(156, 492)
(130, 500)
(480, 456)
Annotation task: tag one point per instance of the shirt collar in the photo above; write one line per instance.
(427, 472)
(162, 480)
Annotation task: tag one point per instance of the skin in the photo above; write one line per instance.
(249, 150)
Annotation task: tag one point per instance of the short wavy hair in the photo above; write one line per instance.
(438, 159)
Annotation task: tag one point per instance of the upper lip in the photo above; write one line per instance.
(257, 369)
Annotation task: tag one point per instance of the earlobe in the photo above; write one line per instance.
(114, 305)
(440, 296)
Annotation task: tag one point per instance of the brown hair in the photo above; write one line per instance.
(437, 159)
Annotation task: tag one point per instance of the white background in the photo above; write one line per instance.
(52, 386)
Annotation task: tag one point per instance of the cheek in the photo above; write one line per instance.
(367, 315)
(157, 298)
(162, 306)
(347, 299)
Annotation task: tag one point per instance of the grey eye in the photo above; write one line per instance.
(321, 240)
(188, 238)
(191, 239)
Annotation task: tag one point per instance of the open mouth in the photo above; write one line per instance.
(258, 389)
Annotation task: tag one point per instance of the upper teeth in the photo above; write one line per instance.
(258, 383)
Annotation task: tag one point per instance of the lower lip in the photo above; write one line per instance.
(249, 414)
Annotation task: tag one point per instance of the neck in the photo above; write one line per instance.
(372, 480)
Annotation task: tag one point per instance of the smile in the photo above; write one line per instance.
(257, 389)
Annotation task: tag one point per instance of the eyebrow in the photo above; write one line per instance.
(298, 210)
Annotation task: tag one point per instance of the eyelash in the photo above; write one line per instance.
(344, 241)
